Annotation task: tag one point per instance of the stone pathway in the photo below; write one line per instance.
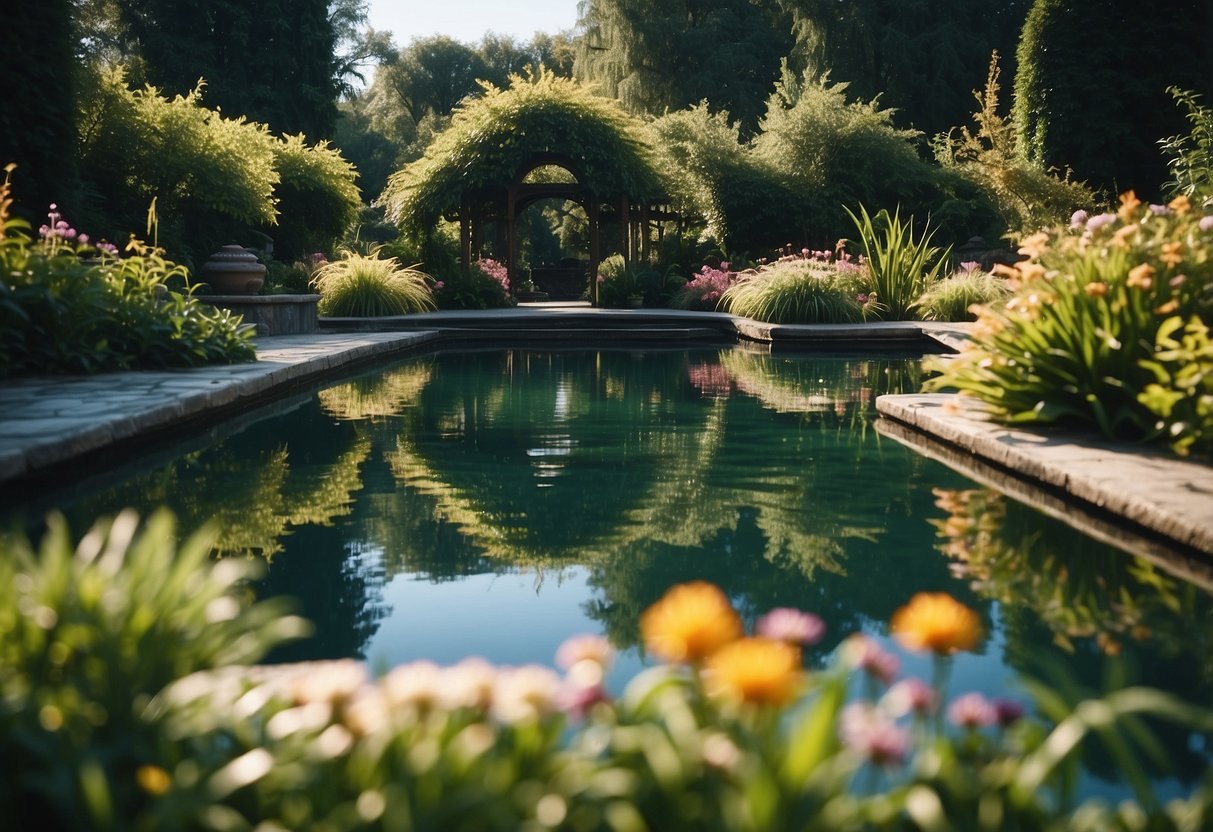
(49, 420)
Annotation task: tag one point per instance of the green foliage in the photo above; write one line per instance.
(620, 284)
(657, 56)
(1181, 397)
(796, 292)
(212, 177)
(951, 298)
(1091, 327)
(492, 136)
(88, 638)
(901, 268)
(834, 152)
(1190, 156)
(72, 308)
(471, 289)
(37, 120)
(360, 285)
(1090, 89)
(1026, 196)
(316, 198)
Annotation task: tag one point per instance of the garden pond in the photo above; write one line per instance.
(495, 502)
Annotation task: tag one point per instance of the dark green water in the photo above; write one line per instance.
(494, 503)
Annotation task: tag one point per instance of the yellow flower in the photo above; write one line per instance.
(936, 622)
(153, 779)
(759, 670)
(689, 623)
(1167, 308)
(1141, 277)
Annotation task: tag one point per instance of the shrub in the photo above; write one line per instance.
(88, 638)
(952, 298)
(1190, 155)
(1093, 327)
(900, 267)
(67, 306)
(369, 286)
(1025, 195)
(316, 199)
(703, 291)
(475, 288)
(797, 292)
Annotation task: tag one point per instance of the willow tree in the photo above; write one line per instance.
(660, 55)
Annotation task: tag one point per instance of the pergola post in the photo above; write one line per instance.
(595, 252)
(465, 233)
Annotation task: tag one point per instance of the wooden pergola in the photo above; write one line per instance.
(637, 220)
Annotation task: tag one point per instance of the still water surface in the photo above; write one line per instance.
(493, 503)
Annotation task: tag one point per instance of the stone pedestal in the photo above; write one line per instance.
(271, 314)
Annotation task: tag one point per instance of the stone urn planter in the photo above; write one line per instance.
(233, 271)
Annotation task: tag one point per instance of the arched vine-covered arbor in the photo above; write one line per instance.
(481, 171)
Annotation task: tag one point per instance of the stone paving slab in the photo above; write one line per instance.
(49, 420)
(1167, 496)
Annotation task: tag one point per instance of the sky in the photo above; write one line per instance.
(468, 20)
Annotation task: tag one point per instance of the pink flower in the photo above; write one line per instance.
(1007, 712)
(910, 696)
(972, 711)
(1206, 223)
(1078, 218)
(864, 653)
(584, 648)
(792, 626)
(872, 734)
(439, 285)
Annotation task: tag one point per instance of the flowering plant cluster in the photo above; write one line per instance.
(729, 732)
(67, 305)
(1108, 325)
(703, 291)
(497, 271)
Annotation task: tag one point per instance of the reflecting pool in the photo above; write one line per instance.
(493, 503)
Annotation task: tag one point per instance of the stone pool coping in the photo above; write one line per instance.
(1153, 497)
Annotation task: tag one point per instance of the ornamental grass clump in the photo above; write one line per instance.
(953, 298)
(798, 291)
(368, 286)
(1107, 327)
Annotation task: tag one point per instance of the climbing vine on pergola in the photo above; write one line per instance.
(479, 170)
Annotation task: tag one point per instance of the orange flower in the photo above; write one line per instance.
(1141, 277)
(690, 622)
(1173, 253)
(759, 670)
(1128, 204)
(936, 622)
(1034, 246)
(1096, 289)
(1181, 204)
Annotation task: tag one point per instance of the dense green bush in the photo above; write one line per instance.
(370, 286)
(1190, 155)
(66, 306)
(1026, 196)
(215, 180)
(728, 733)
(483, 286)
(1106, 328)
(900, 266)
(316, 198)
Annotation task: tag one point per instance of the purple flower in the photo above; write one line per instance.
(439, 284)
(972, 711)
(970, 266)
(1007, 712)
(1099, 221)
(1157, 210)
(1206, 223)
(1078, 218)
(866, 731)
(792, 626)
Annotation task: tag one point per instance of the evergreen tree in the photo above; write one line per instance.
(37, 119)
(659, 55)
(1090, 93)
(270, 60)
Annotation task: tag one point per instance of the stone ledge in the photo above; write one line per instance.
(1137, 485)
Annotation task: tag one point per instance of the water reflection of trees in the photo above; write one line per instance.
(1093, 602)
